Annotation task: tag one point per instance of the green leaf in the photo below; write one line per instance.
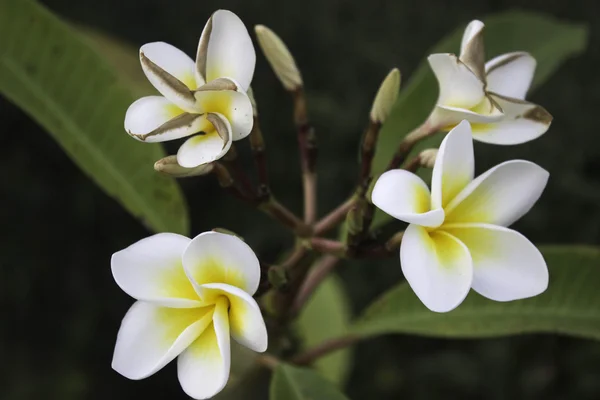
(293, 383)
(549, 40)
(122, 56)
(325, 316)
(570, 305)
(54, 76)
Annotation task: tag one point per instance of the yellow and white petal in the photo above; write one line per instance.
(499, 196)
(485, 112)
(171, 72)
(226, 50)
(459, 86)
(234, 105)
(472, 50)
(155, 119)
(203, 369)
(523, 121)
(208, 146)
(213, 257)
(151, 270)
(454, 166)
(245, 319)
(510, 74)
(405, 196)
(437, 267)
(506, 265)
(151, 336)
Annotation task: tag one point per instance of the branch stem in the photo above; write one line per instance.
(307, 144)
(315, 276)
(421, 132)
(323, 349)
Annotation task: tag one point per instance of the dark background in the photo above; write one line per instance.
(61, 309)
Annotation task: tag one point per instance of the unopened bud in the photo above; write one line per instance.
(427, 157)
(250, 94)
(354, 220)
(278, 277)
(279, 57)
(386, 97)
(169, 166)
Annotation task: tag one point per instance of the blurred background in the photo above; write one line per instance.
(61, 308)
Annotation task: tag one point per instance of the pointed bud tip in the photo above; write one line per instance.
(279, 57)
(386, 96)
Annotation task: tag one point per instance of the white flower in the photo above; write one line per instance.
(206, 97)
(193, 294)
(457, 237)
(489, 95)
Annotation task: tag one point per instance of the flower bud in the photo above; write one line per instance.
(386, 97)
(279, 57)
(427, 157)
(169, 166)
(250, 94)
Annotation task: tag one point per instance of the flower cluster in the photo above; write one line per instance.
(194, 294)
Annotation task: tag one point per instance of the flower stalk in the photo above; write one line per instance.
(308, 155)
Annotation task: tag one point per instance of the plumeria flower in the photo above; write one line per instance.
(457, 237)
(206, 98)
(489, 95)
(193, 294)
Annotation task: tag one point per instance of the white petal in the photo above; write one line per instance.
(151, 270)
(148, 113)
(499, 196)
(510, 74)
(172, 60)
(155, 119)
(207, 147)
(437, 266)
(203, 369)
(404, 196)
(454, 166)
(171, 72)
(506, 266)
(245, 319)
(213, 257)
(151, 336)
(459, 86)
(523, 122)
(230, 52)
(234, 105)
(472, 49)
(471, 31)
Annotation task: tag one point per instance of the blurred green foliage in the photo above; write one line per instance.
(63, 309)
(52, 74)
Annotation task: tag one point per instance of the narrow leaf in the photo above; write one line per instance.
(293, 383)
(570, 305)
(549, 40)
(54, 76)
(325, 316)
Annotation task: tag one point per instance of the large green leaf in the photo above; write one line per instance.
(549, 40)
(293, 383)
(570, 305)
(325, 316)
(69, 89)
